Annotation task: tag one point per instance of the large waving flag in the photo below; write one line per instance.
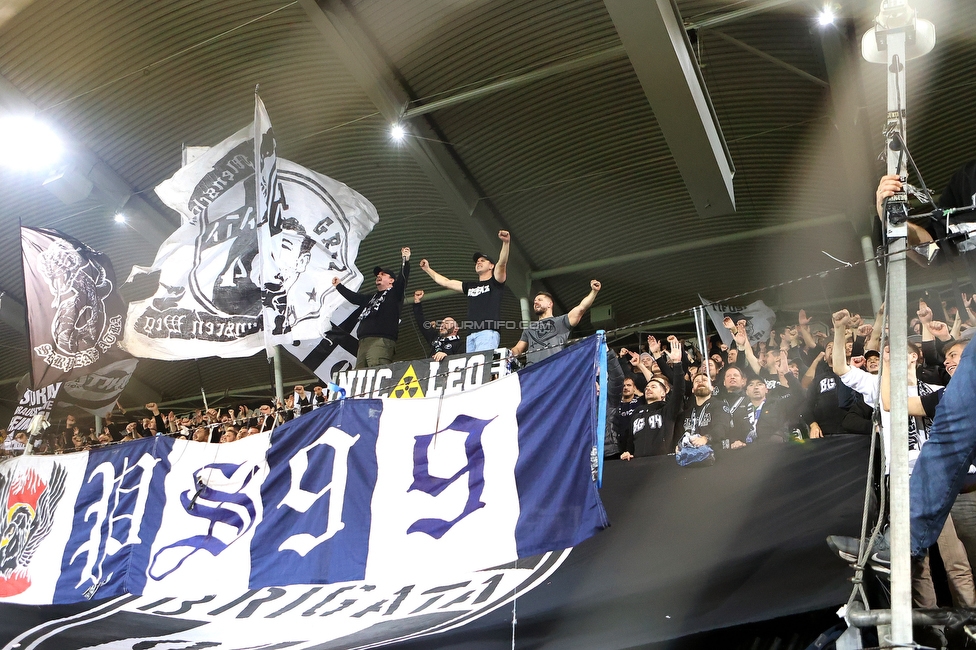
(254, 253)
(74, 312)
(376, 492)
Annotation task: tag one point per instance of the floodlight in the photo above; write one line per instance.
(28, 144)
(826, 17)
(119, 217)
(397, 132)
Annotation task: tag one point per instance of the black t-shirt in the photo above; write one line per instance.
(484, 303)
(824, 403)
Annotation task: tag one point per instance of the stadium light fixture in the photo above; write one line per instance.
(826, 17)
(119, 217)
(398, 133)
(28, 144)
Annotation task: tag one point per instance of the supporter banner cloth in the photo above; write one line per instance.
(690, 550)
(381, 491)
(98, 392)
(424, 377)
(33, 402)
(336, 350)
(208, 293)
(759, 319)
(75, 315)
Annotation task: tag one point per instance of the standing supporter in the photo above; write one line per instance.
(301, 401)
(547, 336)
(446, 341)
(734, 408)
(822, 413)
(379, 322)
(629, 364)
(629, 399)
(484, 295)
(318, 398)
(703, 421)
(652, 424)
(935, 336)
(865, 383)
(770, 413)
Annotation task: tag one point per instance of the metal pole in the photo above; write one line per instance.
(279, 381)
(900, 528)
(867, 249)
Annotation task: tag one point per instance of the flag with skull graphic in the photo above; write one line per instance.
(74, 312)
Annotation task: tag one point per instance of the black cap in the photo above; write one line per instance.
(871, 353)
(478, 256)
(379, 269)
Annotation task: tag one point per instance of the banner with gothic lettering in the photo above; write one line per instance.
(74, 311)
(212, 290)
(365, 493)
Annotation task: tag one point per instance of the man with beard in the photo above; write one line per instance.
(379, 322)
(446, 341)
(546, 336)
(652, 425)
(704, 421)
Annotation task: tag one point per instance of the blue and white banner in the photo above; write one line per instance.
(376, 493)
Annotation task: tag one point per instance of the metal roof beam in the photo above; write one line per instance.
(364, 60)
(660, 52)
(694, 244)
(732, 16)
(772, 59)
(579, 63)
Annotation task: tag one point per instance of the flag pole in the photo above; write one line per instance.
(601, 412)
(27, 329)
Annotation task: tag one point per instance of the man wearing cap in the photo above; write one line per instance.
(546, 336)
(484, 295)
(379, 323)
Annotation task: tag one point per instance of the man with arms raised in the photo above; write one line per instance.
(445, 341)
(379, 323)
(652, 425)
(546, 336)
(484, 295)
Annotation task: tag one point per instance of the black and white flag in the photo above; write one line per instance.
(98, 392)
(75, 315)
(335, 351)
(253, 253)
(32, 403)
(758, 317)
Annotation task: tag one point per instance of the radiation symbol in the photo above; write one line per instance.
(408, 387)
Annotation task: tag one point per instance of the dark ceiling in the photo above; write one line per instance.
(574, 162)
